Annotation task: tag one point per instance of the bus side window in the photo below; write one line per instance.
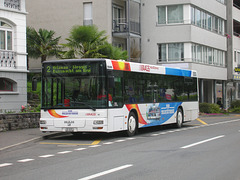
(116, 89)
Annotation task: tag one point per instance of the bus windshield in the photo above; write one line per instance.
(72, 85)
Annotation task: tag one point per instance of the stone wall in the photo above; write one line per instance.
(19, 121)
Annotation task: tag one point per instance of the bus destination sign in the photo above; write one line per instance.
(67, 69)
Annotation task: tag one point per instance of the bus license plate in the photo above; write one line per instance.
(69, 129)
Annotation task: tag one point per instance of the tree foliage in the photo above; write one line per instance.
(42, 44)
(88, 42)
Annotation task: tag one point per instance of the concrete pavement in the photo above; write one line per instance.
(11, 139)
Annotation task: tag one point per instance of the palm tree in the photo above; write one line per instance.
(113, 52)
(42, 44)
(85, 42)
(88, 42)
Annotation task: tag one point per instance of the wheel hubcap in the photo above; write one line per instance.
(179, 118)
(131, 124)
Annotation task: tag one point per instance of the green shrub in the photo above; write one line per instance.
(209, 108)
(236, 110)
(235, 104)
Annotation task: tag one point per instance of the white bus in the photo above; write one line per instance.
(103, 95)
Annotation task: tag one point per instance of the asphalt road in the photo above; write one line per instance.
(207, 149)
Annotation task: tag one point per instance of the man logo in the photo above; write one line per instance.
(69, 123)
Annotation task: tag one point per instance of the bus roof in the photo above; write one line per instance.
(135, 67)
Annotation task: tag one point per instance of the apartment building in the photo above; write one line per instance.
(119, 18)
(189, 34)
(13, 62)
(233, 30)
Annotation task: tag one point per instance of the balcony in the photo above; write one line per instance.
(7, 59)
(121, 27)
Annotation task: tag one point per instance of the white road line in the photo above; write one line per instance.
(166, 132)
(5, 164)
(80, 149)
(131, 138)
(155, 134)
(201, 142)
(25, 160)
(108, 143)
(223, 122)
(94, 146)
(64, 152)
(19, 143)
(121, 140)
(46, 156)
(106, 172)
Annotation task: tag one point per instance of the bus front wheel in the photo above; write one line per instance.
(179, 118)
(132, 124)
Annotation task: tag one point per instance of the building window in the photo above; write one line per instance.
(170, 14)
(171, 52)
(6, 36)
(5, 85)
(14, 4)
(238, 58)
(207, 21)
(87, 14)
(119, 21)
(208, 55)
(222, 1)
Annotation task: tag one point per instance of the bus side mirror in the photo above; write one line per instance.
(34, 84)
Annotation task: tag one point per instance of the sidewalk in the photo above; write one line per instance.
(10, 139)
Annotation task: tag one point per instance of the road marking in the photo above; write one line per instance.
(131, 138)
(121, 140)
(109, 143)
(80, 149)
(64, 152)
(95, 146)
(24, 142)
(201, 142)
(106, 172)
(46, 156)
(155, 134)
(96, 142)
(25, 160)
(201, 121)
(76, 144)
(5, 164)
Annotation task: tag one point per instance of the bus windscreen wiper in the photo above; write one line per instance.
(94, 109)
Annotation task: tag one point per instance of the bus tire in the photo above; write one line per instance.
(132, 124)
(179, 118)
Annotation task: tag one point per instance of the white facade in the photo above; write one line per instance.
(188, 34)
(13, 61)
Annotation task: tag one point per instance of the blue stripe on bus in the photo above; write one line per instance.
(178, 72)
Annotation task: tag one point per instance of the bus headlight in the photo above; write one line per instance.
(97, 122)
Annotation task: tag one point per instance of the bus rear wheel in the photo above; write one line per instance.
(132, 124)
(179, 118)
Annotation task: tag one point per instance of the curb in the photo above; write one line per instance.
(32, 140)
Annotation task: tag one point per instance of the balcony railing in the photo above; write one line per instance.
(7, 59)
(122, 26)
(13, 4)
